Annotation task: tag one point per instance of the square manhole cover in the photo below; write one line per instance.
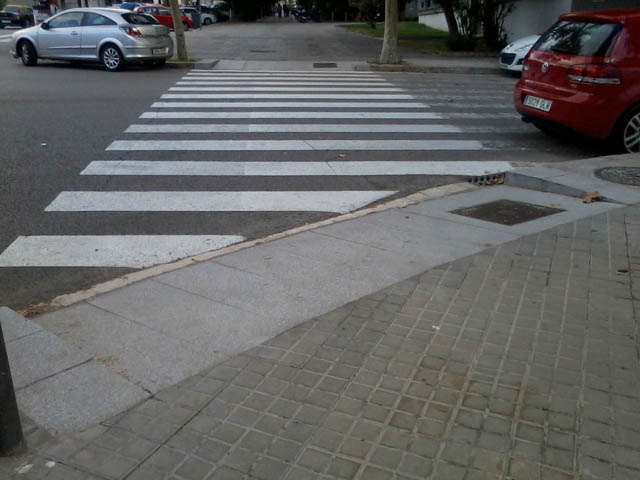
(507, 212)
(325, 65)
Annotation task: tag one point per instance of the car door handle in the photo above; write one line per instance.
(74, 33)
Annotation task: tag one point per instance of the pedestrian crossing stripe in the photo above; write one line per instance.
(130, 251)
(337, 80)
(284, 89)
(265, 72)
(210, 201)
(278, 169)
(295, 96)
(291, 128)
(269, 83)
(367, 105)
(300, 115)
(290, 145)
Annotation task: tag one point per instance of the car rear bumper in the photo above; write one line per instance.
(585, 113)
(147, 53)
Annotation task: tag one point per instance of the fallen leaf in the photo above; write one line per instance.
(591, 197)
(341, 155)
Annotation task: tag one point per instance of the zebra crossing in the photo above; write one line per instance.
(209, 114)
(6, 38)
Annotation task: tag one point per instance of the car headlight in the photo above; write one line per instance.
(524, 48)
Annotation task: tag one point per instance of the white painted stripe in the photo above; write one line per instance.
(291, 128)
(270, 145)
(282, 96)
(475, 116)
(285, 89)
(490, 106)
(131, 251)
(289, 105)
(291, 201)
(279, 169)
(288, 79)
(281, 115)
(260, 72)
(266, 83)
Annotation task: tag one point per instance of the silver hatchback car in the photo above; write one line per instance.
(111, 36)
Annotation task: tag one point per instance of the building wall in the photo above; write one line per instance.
(534, 16)
(431, 15)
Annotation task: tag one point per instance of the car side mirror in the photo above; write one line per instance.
(45, 25)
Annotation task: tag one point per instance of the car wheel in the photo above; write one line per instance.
(626, 135)
(207, 21)
(28, 54)
(186, 26)
(111, 58)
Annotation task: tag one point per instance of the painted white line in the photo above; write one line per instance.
(283, 115)
(319, 72)
(5, 40)
(289, 105)
(478, 116)
(490, 106)
(285, 89)
(291, 201)
(278, 169)
(285, 78)
(266, 83)
(132, 251)
(291, 128)
(270, 145)
(283, 96)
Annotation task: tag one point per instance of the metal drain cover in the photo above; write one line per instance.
(624, 175)
(325, 65)
(507, 212)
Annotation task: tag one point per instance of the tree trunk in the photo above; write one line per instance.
(450, 17)
(178, 28)
(389, 52)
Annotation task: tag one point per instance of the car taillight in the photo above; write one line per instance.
(599, 73)
(131, 31)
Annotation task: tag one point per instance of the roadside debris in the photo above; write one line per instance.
(592, 197)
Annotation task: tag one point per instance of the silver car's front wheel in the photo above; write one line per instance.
(111, 58)
(28, 54)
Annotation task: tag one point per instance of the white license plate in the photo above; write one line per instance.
(538, 103)
(158, 51)
(6, 21)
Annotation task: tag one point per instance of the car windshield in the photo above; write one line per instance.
(139, 19)
(579, 38)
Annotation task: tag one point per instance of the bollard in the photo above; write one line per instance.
(11, 439)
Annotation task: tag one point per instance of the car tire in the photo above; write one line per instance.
(626, 134)
(28, 53)
(207, 21)
(111, 58)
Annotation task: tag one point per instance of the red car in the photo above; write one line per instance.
(583, 75)
(163, 15)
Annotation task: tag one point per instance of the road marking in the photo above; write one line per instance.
(270, 145)
(277, 169)
(289, 105)
(278, 114)
(294, 79)
(285, 89)
(267, 83)
(282, 96)
(475, 116)
(291, 128)
(243, 201)
(131, 251)
(260, 72)
(294, 73)
(491, 106)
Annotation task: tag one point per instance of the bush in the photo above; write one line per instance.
(461, 43)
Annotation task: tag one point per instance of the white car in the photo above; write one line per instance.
(512, 55)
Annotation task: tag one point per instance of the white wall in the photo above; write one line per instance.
(434, 20)
(534, 16)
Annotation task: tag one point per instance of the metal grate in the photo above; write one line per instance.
(507, 212)
(325, 65)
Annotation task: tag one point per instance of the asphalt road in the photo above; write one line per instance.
(58, 118)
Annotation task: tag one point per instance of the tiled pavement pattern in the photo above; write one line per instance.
(517, 363)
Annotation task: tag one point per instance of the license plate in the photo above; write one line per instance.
(537, 103)
(6, 21)
(158, 51)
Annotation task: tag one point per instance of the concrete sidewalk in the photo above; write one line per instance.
(510, 351)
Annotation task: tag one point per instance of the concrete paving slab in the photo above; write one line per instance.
(41, 355)
(171, 311)
(142, 355)
(78, 398)
(15, 326)
(575, 208)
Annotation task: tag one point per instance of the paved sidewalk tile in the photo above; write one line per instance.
(520, 362)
